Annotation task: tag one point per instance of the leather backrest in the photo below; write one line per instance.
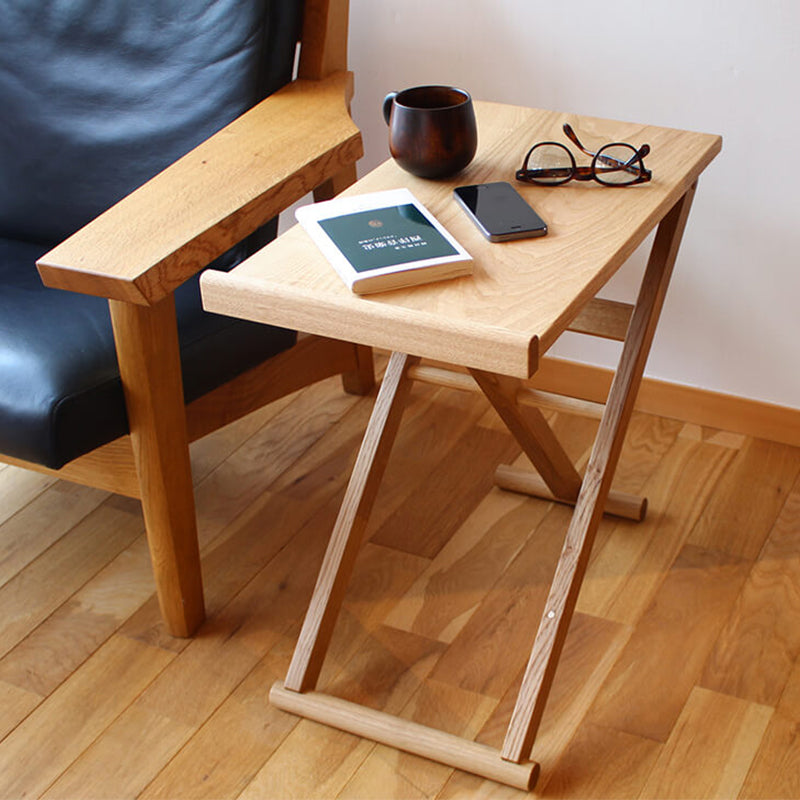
(97, 96)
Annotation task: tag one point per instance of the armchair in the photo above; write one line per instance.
(107, 383)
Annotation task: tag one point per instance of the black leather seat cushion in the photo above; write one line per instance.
(98, 96)
(60, 390)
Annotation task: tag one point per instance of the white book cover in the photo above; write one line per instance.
(383, 240)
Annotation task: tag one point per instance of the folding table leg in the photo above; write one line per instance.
(352, 520)
(533, 433)
(574, 558)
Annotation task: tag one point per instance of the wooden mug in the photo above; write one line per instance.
(432, 129)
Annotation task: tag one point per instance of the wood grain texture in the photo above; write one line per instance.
(350, 525)
(409, 736)
(75, 715)
(678, 631)
(110, 467)
(213, 197)
(756, 651)
(533, 434)
(596, 484)
(715, 741)
(324, 42)
(264, 524)
(146, 338)
(687, 403)
(522, 295)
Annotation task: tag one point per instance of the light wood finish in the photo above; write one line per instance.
(110, 467)
(496, 323)
(325, 27)
(572, 565)
(533, 434)
(213, 197)
(670, 662)
(409, 736)
(713, 409)
(619, 504)
(149, 364)
(350, 525)
(524, 395)
(544, 283)
(608, 319)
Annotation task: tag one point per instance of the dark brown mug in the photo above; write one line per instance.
(432, 130)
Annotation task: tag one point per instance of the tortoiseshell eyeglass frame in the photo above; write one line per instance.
(601, 163)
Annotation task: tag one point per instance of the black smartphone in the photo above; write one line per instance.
(499, 211)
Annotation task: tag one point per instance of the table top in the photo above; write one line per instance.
(523, 294)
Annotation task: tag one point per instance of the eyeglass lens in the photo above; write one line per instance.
(617, 164)
(552, 163)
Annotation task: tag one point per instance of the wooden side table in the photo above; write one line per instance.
(497, 323)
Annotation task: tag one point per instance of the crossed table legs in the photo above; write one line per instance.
(589, 494)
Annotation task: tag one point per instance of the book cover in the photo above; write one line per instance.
(383, 240)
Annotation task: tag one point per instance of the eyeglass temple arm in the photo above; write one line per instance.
(573, 137)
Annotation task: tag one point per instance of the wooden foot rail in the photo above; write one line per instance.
(525, 396)
(618, 504)
(411, 737)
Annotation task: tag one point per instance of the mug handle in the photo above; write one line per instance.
(387, 106)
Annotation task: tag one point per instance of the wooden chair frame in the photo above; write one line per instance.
(139, 251)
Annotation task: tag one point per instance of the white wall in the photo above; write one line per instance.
(732, 319)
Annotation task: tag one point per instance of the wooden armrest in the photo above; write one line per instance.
(154, 239)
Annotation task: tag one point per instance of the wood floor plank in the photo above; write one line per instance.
(389, 667)
(118, 763)
(389, 773)
(629, 563)
(672, 640)
(744, 509)
(15, 705)
(775, 771)
(35, 592)
(254, 466)
(43, 521)
(592, 648)
(452, 587)
(711, 748)
(647, 441)
(666, 686)
(243, 530)
(18, 487)
(448, 492)
(217, 682)
(758, 648)
(75, 715)
(488, 652)
(57, 647)
(226, 753)
(627, 761)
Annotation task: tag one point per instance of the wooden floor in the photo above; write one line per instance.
(680, 677)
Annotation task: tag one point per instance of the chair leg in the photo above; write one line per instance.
(149, 361)
(362, 378)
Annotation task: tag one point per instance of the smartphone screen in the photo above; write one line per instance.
(499, 211)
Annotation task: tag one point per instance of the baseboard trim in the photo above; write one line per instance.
(686, 403)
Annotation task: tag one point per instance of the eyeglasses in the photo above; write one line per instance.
(616, 164)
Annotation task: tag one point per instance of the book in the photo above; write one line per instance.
(383, 240)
